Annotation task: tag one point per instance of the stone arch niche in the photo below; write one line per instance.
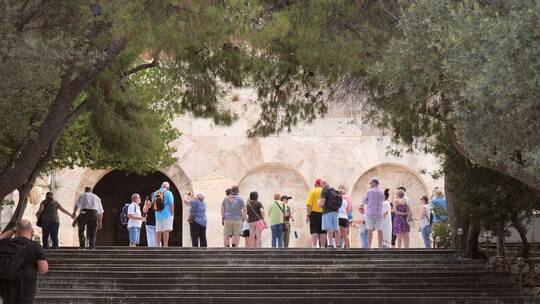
(271, 178)
(391, 176)
(115, 189)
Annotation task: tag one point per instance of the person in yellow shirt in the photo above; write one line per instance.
(314, 214)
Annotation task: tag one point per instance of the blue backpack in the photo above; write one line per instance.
(124, 214)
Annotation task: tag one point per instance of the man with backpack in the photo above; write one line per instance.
(131, 216)
(163, 200)
(330, 202)
(21, 259)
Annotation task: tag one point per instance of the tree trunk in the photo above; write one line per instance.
(500, 240)
(471, 250)
(24, 191)
(516, 223)
(60, 114)
(453, 213)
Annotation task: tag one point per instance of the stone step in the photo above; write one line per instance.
(140, 255)
(254, 261)
(269, 280)
(464, 285)
(336, 293)
(278, 299)
(236, 275)
(69, 273)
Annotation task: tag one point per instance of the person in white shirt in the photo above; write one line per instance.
(90, 217)
(425, 222)
(387, 221)
(343, 216)
(135, 220)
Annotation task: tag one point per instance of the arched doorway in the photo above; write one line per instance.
(392, 176)
(115, 189)
(271, 178)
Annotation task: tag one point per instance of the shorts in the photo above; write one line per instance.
(330, 221)
(165, 225)
(134, 235)
(232, 227)
(343, 223)
(374, 223)
(315, 223)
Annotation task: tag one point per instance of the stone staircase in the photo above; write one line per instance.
(189, 275)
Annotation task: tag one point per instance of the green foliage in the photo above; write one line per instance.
(470, 67)
(291, 52)
(442, 231)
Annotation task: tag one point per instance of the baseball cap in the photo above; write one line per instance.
(286, 197)
(318, 182)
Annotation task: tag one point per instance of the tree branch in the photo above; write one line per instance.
(141, 67)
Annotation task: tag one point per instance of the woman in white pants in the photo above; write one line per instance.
(387, 221)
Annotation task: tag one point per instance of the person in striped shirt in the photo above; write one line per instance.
(373, 200)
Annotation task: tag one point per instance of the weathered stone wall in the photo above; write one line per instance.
(212, 158)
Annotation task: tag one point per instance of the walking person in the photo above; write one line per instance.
(343, 214)
(256, 222)
(197, 219)
(90, 217)
(150, 224)
(19, 287)
(287, 218)
(233, 215)
(48, 220)
(331, 201)
(163, 200)
(401, 226)
(135, 220)
(425, 221)
(314, 215)
(387, 221)
(373, 200)
(276, 213)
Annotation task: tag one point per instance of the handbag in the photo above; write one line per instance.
(283, 213)
(39, 221)
(260, 224)
(191, 217)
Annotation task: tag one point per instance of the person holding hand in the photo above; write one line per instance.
(135, 220)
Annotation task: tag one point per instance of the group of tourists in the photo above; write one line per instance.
(329, 214)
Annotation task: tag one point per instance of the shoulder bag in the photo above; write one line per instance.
(260, 224)
(39, 222)
(283, 213)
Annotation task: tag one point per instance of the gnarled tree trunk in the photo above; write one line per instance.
(471, 250)
(526, 247)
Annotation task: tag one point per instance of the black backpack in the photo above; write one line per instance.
(335, 200)
(12, 254)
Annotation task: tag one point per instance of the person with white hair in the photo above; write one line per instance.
(197, 219)
(135, 220)
(163, 201)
